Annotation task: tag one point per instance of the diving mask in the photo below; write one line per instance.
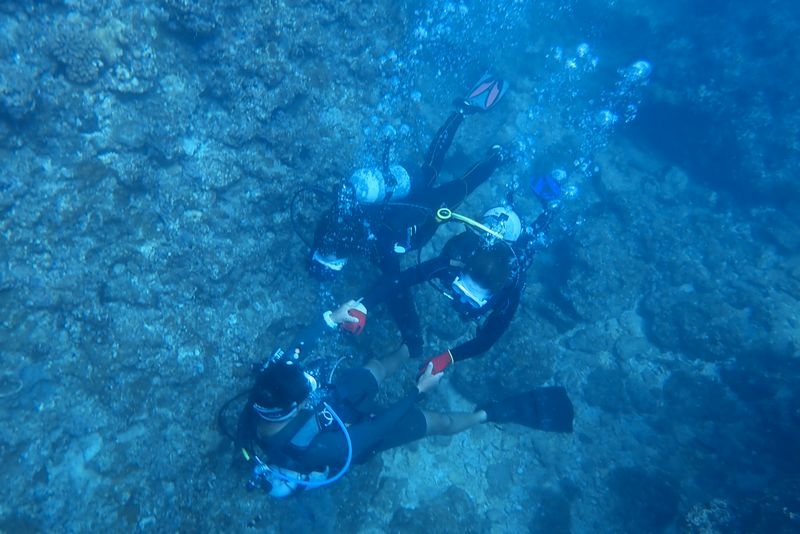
(279, 414)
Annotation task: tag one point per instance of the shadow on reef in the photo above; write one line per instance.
(551, 512)
(429, 517)
(682, 134)
(705, 144)
(643, 501)
(554, 272)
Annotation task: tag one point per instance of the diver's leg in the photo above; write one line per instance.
(455, 192)
(404, 312)
(447, 424)
(386, 366)
(401, 304)
(416, 424)
(439, 147)
(481, 171)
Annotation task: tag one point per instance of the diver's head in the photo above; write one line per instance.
(505, 222)
(280, 390)
(373, 185)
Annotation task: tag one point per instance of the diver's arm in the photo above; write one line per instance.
(535, 240)
(393, 282)
(306, 341)
(491, 330)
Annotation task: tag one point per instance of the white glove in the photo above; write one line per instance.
(343, 315)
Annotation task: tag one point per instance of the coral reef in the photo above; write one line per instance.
(78, 52)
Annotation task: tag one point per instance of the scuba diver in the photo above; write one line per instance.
(384, 213)
(301, 429)
(481, 270)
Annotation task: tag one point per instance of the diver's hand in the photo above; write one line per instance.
(427, 380)
(350, 316)
(440, 362)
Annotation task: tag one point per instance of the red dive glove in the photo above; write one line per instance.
(355, 327)
(440, 363)
(350, 316)
(359, 312)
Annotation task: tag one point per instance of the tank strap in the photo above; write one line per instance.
(306, 434)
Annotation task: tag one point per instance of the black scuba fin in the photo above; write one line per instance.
(545, 408)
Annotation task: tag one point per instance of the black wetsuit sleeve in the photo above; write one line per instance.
(491, 330)
(330, 448)
(306, 341)
(391, 283)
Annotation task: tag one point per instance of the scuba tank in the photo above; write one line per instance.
(373, 185)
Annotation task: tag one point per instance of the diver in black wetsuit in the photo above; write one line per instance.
(300, 432)
(482, 273)
(383, 213)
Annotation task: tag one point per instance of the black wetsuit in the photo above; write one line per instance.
(500, 308)
(313, 441)
(408, 224)
(384, 232)
(370, 430)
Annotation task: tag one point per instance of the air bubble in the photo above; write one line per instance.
(639, 71)
(606, 118)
